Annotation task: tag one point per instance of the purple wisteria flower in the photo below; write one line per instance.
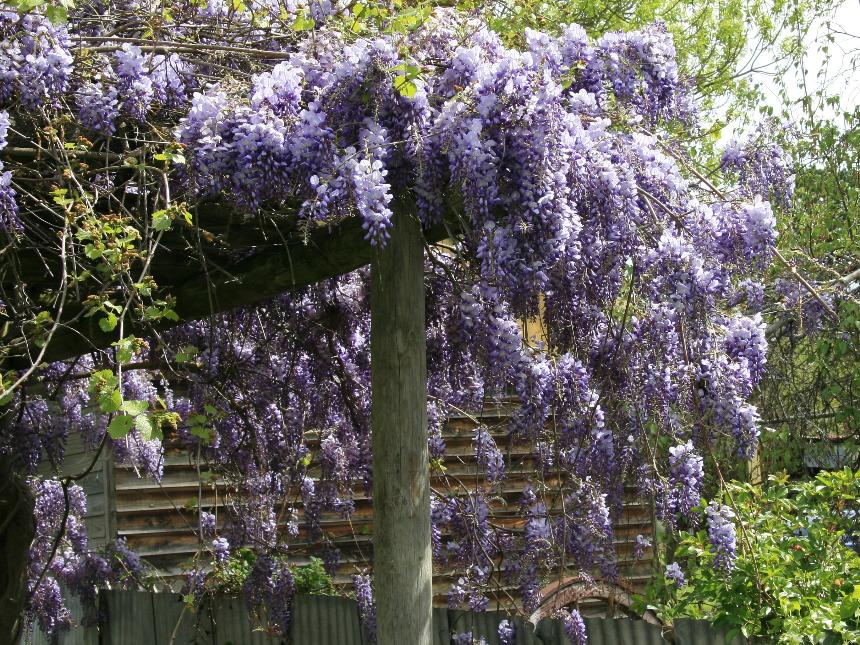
(10, 222)
(574, 627)
(507, 632)
(221, 550)
(366, 606)
(98, 108)
(675, 574)
(207, 524)
(488, 456)
(721, 533)
(135, 85)
(686, 474)
(641, 543)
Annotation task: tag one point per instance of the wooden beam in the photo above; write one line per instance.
(327, 253)
(402, 557)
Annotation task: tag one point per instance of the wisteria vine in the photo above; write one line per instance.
(572, 206)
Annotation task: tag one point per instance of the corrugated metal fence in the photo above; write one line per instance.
(142, 618)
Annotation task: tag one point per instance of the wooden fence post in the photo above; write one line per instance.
(402, 558)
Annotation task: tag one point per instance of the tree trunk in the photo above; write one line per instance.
(402, 558)
(17, 528)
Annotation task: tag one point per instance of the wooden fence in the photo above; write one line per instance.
(158, 518)
(143, 618)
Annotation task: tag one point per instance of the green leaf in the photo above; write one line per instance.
(57, 14)
(92, 252)
(303, 23)
(162, 220)
(110, 402)
(135, 408)
(151, 313)
(125, 349)
(404, 86)
(187, 354)
(202, 432)
(144, 425)
(109, 322)
(120, 426)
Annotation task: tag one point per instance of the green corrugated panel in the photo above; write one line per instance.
(441, 632)
(623, 632)
(700, 632)
(230, 624)
(325, 620)
(603, 631)
(127, 617)
(178, 623)
(486, 625)
(141, 618)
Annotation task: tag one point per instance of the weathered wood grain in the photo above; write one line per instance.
(401, 476)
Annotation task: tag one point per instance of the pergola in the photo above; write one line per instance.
(242, 264)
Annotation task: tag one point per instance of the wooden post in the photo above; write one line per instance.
(402, 558)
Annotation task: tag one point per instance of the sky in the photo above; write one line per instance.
(842, 74)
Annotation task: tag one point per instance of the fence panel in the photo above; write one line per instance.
(700, 632)
(325, 620)
(126, 617)
(174, 622)
(622, 631)
(486, 625)
(142, 618)
(441, 629)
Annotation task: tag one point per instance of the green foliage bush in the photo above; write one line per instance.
(230, 577)
(797, 576)
(313, 579)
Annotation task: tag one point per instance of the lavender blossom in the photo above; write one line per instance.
(721, 533)
(675, 574)
(366, 606)
(686, 475)
(506, 632)
(574, 627)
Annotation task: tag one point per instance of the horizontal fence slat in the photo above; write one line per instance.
(159, 519)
